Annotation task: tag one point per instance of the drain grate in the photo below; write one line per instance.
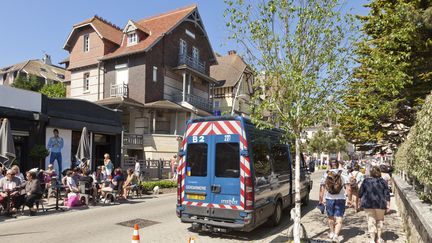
(141, 223)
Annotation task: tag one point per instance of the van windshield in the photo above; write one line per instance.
(196, 159)
(227, 160)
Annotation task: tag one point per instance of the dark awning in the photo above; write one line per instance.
(78, 126)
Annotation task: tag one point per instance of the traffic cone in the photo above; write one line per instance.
(191, 240)
(135, 236)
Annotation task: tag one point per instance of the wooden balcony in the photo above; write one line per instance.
(197, 101)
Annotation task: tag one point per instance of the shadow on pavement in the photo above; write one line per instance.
(23, 233)
(262, 231)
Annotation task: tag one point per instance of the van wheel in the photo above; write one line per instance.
(305, 200)
(275, 219)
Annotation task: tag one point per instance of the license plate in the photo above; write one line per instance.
(195, 197)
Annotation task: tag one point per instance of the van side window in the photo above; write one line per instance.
(227, 160)
(261, 160)
(281, 158)
(196, 159)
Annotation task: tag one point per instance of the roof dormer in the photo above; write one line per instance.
(135, 32)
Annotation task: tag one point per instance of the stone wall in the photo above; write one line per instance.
(416, 216)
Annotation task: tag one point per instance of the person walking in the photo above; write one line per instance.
(332, 189)
(355, 180)
(108, 165)
(174, 164)
(375, 196)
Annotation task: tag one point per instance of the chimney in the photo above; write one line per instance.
(232, 52)
(47, 59)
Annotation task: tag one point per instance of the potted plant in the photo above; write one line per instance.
(38, 153)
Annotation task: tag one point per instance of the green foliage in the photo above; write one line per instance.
(30, 82)
(300, 53)
(414, 155)
(323, 142)
(38, 152)
(149, 185)
(57, 90)
(394, 72)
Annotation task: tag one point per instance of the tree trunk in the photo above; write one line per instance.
(297, 192)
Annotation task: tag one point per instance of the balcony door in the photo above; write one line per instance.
(122, 74)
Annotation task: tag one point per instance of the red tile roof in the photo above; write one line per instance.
(104, 28)
(158, 26)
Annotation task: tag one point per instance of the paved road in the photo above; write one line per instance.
(101, 224)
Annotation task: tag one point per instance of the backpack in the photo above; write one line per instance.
(333, 182)
(353, 181)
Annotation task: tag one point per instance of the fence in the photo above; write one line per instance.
(151, 169)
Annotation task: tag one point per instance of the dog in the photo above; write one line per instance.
(156, 190)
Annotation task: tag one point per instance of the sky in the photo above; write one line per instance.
(31, 28)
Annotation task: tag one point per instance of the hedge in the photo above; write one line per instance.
(149, 185)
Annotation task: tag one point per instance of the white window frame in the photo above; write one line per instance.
(86, 43)
(190, 33)
(86, 82)
(132, 38)
(195, 53)
(155, 73)
(183, 47)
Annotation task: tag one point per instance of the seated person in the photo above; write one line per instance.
(130, 183)
(77, 175)
(87, 180)
(33, 191)
(70, 182)
(17, 172)
(118, 179)
(10, 183)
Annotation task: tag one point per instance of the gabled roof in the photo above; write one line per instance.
(38, 68)
(158, 26)
(137, 26)
(229, 69)
(103, 28)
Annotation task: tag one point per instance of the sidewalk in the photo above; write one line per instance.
(354, 227)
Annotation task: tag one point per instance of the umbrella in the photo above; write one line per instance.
(7, 148)
(83, 152)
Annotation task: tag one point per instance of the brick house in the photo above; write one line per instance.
(156, 70)
(235, 84)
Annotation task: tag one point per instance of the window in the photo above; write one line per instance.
(86, 83)
(155, 73)
(281, 158)
(189, 33)
(227, 160)
(132, 38)
(122, 74)
(196, 159)
(183, 47)
(195, 53)
(216, 104)
(86, 43)
(261, 160)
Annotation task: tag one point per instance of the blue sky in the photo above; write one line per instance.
(30, 28)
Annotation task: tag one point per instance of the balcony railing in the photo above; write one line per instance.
(197, 101)
(192, 62)
(133, 139)
(119, 90)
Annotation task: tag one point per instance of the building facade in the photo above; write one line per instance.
(156, 70)
(233, 92)
(43, 69)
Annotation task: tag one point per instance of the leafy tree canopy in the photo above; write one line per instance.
(30, 82)
(57, 90)
(394, 72)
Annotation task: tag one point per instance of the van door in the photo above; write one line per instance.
(197, 176)
(282, 172)
(225, 187)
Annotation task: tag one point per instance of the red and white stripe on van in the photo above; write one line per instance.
(219, 128)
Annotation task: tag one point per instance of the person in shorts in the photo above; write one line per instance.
(335, 199)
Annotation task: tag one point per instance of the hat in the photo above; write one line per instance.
(321, 208)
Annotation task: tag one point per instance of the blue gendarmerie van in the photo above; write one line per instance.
(234, 176)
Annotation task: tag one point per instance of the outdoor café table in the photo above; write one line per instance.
(57, 188)
(8, 202)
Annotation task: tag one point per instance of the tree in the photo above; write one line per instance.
(318, 143)
(57, 90)
(299, 47)
(394, 72)
(29, 82)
